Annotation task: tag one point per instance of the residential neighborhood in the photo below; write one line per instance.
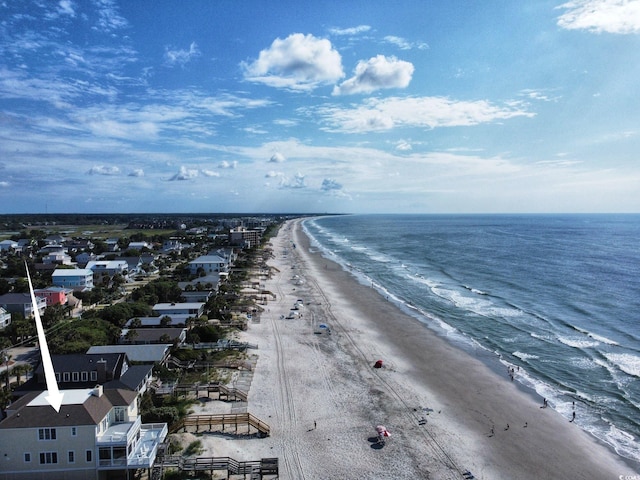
(126, 317)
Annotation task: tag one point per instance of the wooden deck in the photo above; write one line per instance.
(237, 422)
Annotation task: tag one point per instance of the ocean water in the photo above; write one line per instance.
(557, 297)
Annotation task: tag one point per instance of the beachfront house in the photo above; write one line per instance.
(78, 370)
(75, 278)
(208, 264)
(160, 335)
(53, 295)
(147, 354)
(193, 309)
(21, 303)
(108, 267)
(5, 319)
(97, 434)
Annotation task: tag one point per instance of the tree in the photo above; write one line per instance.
(5, 286)
(53, 314)
(131, 335)
(79, 335)
(135, 323)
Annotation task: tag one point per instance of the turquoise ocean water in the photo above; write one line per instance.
(555, 296)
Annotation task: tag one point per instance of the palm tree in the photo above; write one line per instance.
(5, 358)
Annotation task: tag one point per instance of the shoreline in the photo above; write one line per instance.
(447, 410)
(467, 346)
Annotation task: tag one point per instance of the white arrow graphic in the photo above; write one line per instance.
(54, 397)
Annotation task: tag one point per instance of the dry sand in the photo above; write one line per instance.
(322, 398)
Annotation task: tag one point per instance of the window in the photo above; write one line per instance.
(75, 376)
(48, 458)
(58, 377)
(47, 434)
(27, 457)
(85, 376)
(119, 415)
(94, 376)
(65, 376)
(89, 455)
(74, 431)
(71, 456)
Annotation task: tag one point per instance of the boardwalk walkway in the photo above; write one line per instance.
(256, 470)
(222, 422)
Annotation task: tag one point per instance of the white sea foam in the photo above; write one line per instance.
(628, 363)
(578, 342)
(623, 442)
(583, 363)
(595, 336)
(525, 356)
(602, 339)
(546, 338)
(475, 290)
(476, 304)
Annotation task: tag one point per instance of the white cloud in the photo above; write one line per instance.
(404, 44)
(225, 164)
(376, 73)
(210, 173)
(330, 184)
(350, 31)
(403, 146)
(296, 182)
(124, 130)
(425, 112)
(181, 57)
(108, 17)
(4, 184)
(104, 170)
(282, 122)
(138, 172)
(540, 95)
(611, 16)
(65, 7)
(273, 174)
(277, 158)
(185, 174)
(299, 62)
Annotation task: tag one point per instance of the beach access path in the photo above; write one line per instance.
(448, 413)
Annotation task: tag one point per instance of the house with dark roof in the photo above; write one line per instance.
(21, 303)
(145, 336)
(147, 354)
(83, 370)
(97, 433)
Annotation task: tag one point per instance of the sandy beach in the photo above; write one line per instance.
(448, 413)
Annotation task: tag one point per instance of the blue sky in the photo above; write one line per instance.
(299, 106)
